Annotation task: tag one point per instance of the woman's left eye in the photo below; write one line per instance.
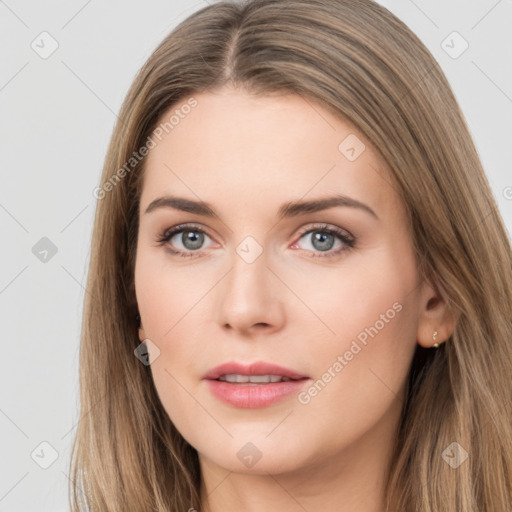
(192, 238)
(324, 238)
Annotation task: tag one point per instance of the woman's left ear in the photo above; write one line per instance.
(142, 336)
(436, 319)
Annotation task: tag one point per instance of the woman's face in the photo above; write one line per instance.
(329, 292)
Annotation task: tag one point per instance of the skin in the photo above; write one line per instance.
(246, 156)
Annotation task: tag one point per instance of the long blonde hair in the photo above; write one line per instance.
(359, 61)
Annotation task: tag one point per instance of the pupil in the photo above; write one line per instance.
(319, 241)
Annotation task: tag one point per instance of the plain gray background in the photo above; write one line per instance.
(58, 113)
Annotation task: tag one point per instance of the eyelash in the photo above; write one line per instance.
(348, 240)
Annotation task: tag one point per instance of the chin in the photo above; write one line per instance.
(254, 455)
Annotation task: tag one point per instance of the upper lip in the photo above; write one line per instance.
(257, 368)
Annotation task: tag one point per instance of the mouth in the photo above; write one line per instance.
(253, 379)
(255, 385)
(259, 372)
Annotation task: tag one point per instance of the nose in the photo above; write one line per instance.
(251, 297)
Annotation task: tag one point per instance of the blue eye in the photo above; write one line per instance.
(324, 238)
(193, 237)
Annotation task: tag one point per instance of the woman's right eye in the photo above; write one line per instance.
(191, 239)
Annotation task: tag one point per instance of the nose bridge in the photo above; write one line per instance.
(249, 274)
(249, 294)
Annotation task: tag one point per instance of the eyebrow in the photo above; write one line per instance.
(287, 210)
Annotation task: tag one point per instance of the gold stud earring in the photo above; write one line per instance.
(436, 345)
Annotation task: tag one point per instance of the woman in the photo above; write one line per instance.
(300, 284)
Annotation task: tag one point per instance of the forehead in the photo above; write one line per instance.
(241, 149)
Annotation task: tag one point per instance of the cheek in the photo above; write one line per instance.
(369, 296)
(166, 297)
(166, 294)
(173, 301)
(362, 333)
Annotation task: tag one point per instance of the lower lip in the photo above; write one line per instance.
(254, 395)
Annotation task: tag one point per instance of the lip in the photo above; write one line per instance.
(252, 395)
(257, 368)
